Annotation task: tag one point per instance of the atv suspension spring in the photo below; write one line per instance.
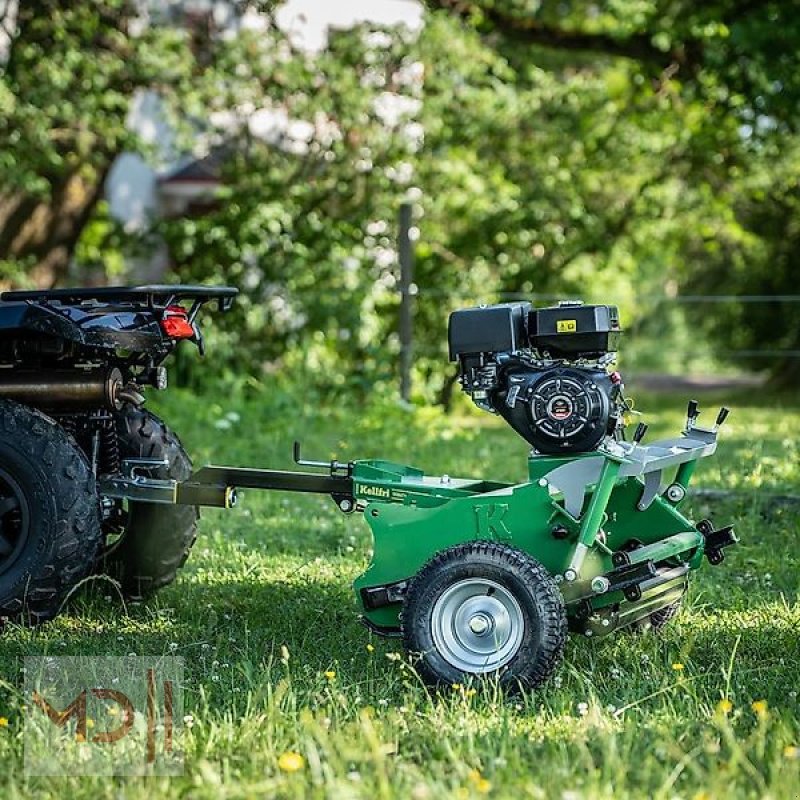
(109, 446)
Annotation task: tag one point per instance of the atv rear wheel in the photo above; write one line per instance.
(485, 609)
(149, 542)
(49, 515)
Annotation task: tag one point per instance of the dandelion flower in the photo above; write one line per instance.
(791, 751)
(677, 666)
(291, 761)
(3, 722)
(370, 648)
(724, 706)
(760, 708)
(482, 786)
(330, 674)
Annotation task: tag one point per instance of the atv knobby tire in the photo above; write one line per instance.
(155, 539)
(484, 609)
(49, 515)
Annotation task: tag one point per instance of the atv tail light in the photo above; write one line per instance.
(175, 323)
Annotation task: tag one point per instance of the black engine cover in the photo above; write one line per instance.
(558, 410)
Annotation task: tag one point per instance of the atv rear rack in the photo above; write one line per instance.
(153, 296)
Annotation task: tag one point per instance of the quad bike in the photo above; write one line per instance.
(73, 365)
(479, 577)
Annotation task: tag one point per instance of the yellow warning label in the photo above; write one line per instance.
(566, 326)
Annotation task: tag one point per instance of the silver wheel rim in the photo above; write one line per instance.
(477, 625)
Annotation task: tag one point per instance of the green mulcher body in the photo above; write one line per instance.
(482, 578)
(615, 541)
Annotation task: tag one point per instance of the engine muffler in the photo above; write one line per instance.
(68, 391)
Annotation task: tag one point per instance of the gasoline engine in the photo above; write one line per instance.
(546, 371)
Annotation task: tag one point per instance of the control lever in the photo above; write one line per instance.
(641, 430)
(692, 413)
(333, 466)
(721, 417)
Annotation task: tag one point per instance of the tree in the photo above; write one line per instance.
(65, 89)
(723, 210)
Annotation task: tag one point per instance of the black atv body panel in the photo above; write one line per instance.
(89, 327)
(107, 318)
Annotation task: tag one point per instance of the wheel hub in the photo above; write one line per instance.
(481, 624)
(477, 625)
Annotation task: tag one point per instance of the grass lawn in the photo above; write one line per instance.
(631, 716)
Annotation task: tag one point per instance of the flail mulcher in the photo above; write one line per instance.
(477, 576)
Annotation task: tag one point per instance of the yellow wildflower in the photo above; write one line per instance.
(791, 751)
(330, 674)
(3, 722)
(370, 648)
(677, 666)
(482, 786)
(724, 706)
(760, 708)
(291, 761)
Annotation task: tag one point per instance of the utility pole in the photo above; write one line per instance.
(406, 256)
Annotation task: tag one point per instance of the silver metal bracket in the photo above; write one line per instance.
(652, 485)
(131, 466)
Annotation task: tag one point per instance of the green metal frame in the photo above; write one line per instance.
(413, 516)
(601, 523)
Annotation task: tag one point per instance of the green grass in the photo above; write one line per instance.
(618, 721)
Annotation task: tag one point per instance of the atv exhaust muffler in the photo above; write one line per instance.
(75, 390)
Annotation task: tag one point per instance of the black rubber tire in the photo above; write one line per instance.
(534, 589)
(57, 490)
(156, 538)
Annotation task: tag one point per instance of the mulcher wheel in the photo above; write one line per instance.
(49, 515)
(151, 542)
(483, 608)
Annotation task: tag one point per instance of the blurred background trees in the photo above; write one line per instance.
(637, 151)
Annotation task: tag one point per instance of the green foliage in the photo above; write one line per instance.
(629, 150)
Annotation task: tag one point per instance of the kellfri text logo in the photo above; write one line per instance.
(90, 715)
